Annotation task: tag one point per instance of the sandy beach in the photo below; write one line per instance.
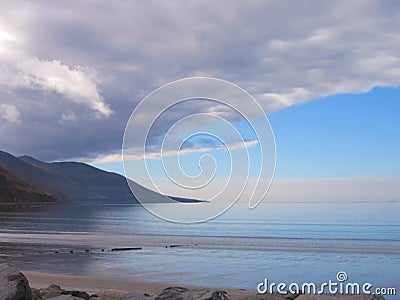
(113, 286)
(122, 289)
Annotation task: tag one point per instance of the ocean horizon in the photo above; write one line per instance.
(281, 242)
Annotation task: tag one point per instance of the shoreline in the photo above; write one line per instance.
(96, 284)
(96, 242)
(48, 259)
(111, 288)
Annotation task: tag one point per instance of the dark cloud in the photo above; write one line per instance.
(283, 52)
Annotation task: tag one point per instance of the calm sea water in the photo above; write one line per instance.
(286, 242)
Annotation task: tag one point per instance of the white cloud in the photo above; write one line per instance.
(156, 154)
(275, 101)
(77, 84)
(19, 70)
(10, 113)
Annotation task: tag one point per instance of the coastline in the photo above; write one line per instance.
(108, 288)
(76, 261)
(123, 250)
(116, 286)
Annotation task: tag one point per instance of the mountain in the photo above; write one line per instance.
(15, 190)
(77, 182)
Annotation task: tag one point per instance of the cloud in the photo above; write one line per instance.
(68, 116)
(98, 64)
(10, 113)
(156, 153)
(77, 84)
(20, 70)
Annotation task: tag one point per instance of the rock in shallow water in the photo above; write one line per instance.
(13, 284)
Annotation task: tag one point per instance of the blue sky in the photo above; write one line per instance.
(351, 135)
(341, 136)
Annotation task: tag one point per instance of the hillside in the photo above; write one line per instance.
(70, 181)
(76, 182)
(15, 190)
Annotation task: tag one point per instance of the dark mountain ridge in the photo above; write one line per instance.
(15, 190)
(69, 181)
(77, 182)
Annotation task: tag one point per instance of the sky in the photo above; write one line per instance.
(327, 75)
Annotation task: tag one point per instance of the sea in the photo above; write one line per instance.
(278, 242)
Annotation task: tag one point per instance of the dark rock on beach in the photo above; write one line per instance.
(65, 297)
(179, 293)
(56, 292)
(13, 284)
(138, 296)
(45, 293)
(79, 294)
